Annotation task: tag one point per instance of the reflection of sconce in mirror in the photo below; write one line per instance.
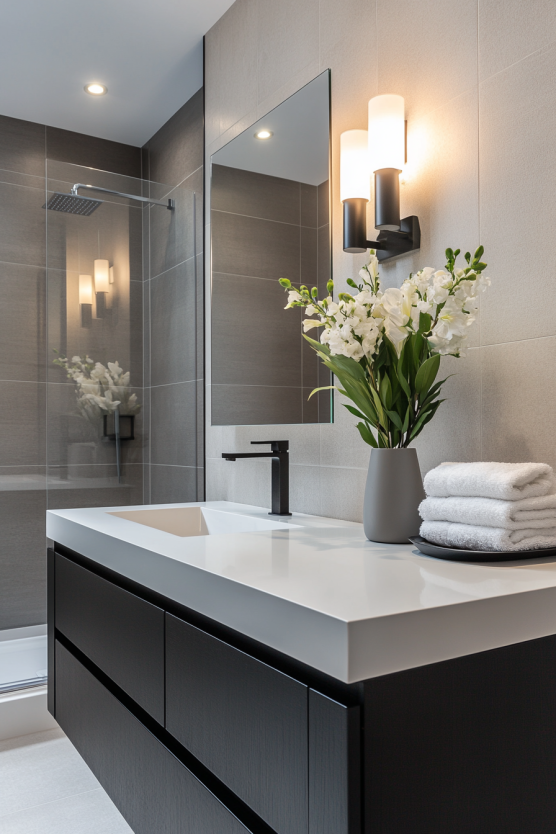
(380, 150)
(102, 285)
(86, 299)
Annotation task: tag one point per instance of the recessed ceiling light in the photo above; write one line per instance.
(95, 89)
(263, 134)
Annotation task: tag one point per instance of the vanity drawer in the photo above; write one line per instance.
(152, 789)
(122, 634)
(243, 720)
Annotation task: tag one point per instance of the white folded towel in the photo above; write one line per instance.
(508, 481)
(525, 513)
(475, 537)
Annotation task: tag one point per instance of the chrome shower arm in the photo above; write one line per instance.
(170, 204)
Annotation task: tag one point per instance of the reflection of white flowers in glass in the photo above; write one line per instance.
(99, 389)
(385, 346)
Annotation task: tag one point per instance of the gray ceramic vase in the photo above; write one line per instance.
(393, 493)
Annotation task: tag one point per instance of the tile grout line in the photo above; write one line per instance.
(53, 801)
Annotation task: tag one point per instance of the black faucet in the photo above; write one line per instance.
(280, 471)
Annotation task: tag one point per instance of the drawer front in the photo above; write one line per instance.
(243, 720)
(153, 791)
(122, 634)
(334, 766)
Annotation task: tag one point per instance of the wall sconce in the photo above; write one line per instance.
(381, 151)
(86, 299)
(102, 285)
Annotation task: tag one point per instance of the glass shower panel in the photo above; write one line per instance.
(95, 343)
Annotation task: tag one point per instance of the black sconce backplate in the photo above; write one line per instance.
(390, 245)
(127, 426)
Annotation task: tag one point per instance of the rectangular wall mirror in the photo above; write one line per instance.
(270, 219)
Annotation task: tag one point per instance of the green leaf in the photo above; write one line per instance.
(432, 393)
(317, 345)
(406, 420)
(425, 418)
(449, 254)
(386, 392)
(478, 253)
(354, 411)
(480, 266)
(403, 380)
(285, 282)
(395, 418)
(324, 388)
(425, 322)
(367, 435)
(427, 374)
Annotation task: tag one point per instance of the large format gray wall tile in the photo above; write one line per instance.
(409, 30)
(171, 230)
(237, 61)
(258, 405)
(265, 352)
(174, 340)
(518, 199)
(176, 150)
(22, 146)
(250, 246)
(22, 225)
(22, 322)
(288, 38)
(257, 195)
(174, 424)
(92, 152)
(94, 486)
(171, 484)
(22, 417)
(509, 30)
(22, 547)
(519, 401)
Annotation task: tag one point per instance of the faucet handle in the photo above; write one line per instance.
(275, 445)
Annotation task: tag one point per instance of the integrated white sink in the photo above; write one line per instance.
(199, 521)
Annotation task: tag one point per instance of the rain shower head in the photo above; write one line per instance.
(72, 204)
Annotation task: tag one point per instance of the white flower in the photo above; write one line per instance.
(293, 295)
(308, 324)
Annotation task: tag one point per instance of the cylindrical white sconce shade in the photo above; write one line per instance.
(355, 179)
(85, 289)
(386, 132)
(102, 275)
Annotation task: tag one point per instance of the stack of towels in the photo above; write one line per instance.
(490, 506)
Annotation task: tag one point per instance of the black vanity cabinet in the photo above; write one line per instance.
(192, 728)
(196, 729)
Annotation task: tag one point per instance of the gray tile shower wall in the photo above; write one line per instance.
(30, 477)
(173, 304)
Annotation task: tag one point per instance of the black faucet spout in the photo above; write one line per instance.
(280, 457)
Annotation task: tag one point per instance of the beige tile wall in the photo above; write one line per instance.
(478, 80)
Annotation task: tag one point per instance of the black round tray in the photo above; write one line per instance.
(454, 554)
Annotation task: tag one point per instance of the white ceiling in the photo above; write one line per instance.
(147, 52)
(298, 147)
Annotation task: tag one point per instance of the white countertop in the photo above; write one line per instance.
(321, 593)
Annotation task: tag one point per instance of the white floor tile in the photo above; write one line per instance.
(86, 813)
(46, 788)
(40, 768)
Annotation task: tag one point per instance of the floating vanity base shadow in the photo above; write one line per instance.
(193, 728)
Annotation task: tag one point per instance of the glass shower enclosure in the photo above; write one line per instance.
(94, 342)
